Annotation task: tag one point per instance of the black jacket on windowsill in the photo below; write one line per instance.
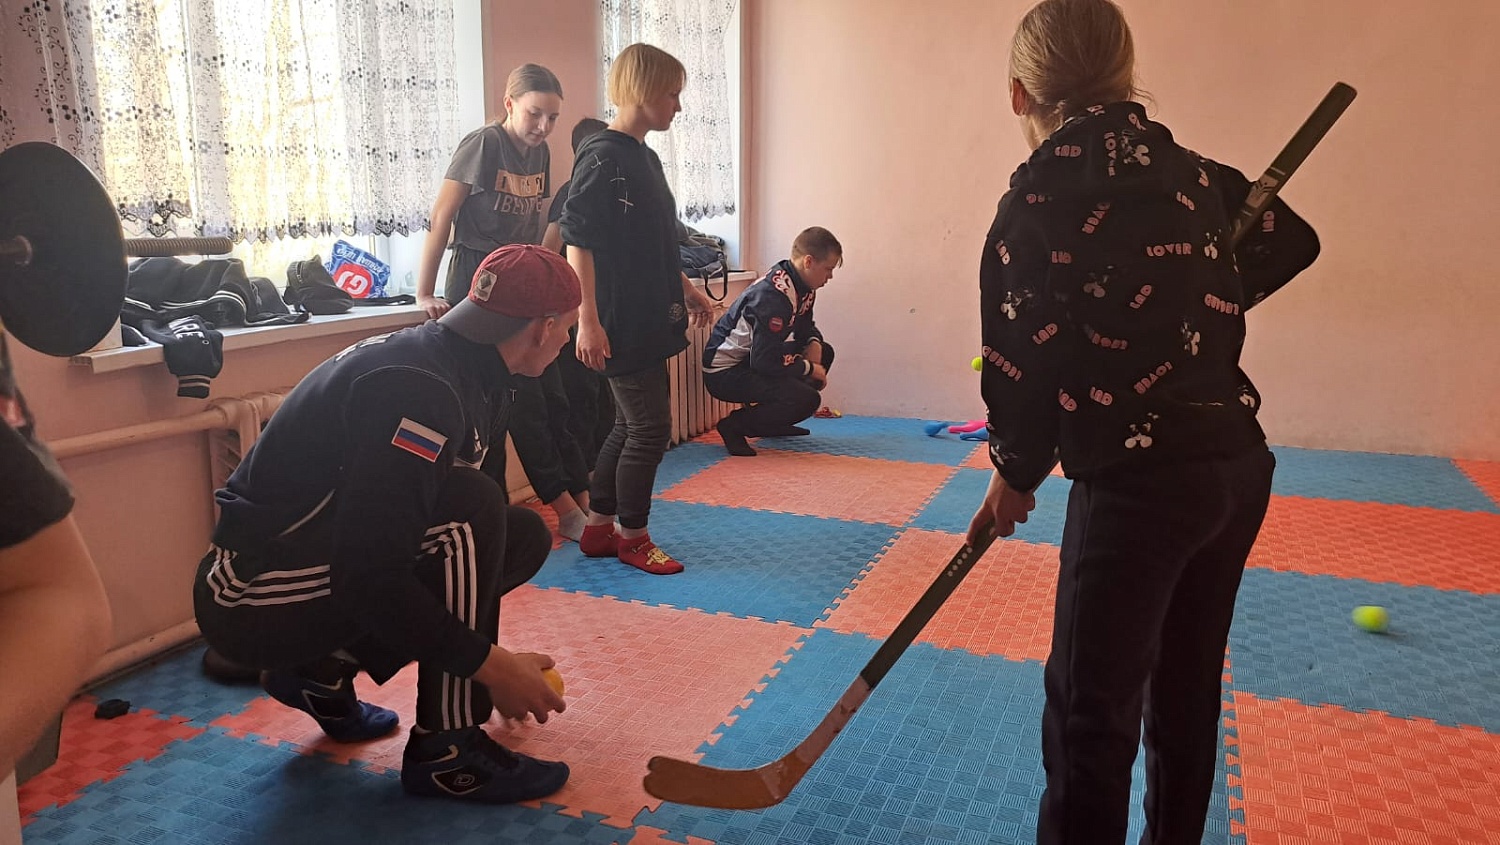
(181, 306)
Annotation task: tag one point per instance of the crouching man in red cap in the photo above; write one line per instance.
(358, 534)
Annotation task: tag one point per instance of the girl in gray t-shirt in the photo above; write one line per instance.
(492, 196)
(493, 192)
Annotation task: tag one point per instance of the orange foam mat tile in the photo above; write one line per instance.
(1316, 774)
(1485, 475)
(657, 836)
(814, 484)
(1448, 550)
(93, 750)
(711, 437)
(1004, 606)
(548, 516)
(641, 681)
(980, 459)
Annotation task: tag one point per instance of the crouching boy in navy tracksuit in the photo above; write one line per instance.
(767, 351)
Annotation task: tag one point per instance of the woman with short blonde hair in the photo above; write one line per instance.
(620, 228)
(642, 73)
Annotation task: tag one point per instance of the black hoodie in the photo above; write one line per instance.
(1112, 311)
(620, 208)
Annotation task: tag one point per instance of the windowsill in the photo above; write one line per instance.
(734, 276)
(370, 318)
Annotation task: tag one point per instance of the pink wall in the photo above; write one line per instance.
(888, 123)
(561, 35)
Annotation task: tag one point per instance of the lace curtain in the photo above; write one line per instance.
(697, 153)
(40, 96)
(261, 119)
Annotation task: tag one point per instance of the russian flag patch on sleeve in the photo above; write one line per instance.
(419, 440)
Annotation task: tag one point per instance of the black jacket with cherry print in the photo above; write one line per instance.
(1113, 314)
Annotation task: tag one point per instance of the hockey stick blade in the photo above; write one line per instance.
(1291, 157)
(684, 782)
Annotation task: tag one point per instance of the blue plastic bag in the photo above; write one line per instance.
(358, 272)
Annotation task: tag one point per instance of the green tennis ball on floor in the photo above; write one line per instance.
(977, 364)
(1371, 617)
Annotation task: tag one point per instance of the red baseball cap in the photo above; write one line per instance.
(515, 282)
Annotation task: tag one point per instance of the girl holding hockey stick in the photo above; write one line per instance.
(1112, 323)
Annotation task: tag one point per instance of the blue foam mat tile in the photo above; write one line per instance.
(886, 438)
(957, 500)
(1292, 637)
(222, 790)
(1229, 734)
(947, 749)
(1368, 477)
(771, 566)
(686, 460)
(176, 686)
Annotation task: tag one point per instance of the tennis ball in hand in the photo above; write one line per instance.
(554, 680)
(1371, 617)
(977, 364)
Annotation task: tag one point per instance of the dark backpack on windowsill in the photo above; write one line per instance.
(703, 257)
(309, 286)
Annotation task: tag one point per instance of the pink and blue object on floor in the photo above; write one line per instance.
(971, 430)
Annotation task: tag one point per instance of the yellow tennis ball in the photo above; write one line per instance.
(1371, 617)
(977, 364)
(554, 680)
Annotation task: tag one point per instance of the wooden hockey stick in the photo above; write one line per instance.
(698, 785)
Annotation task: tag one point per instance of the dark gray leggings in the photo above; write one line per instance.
(626, 470)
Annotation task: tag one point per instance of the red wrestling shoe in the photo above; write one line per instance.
(599, 540)
(646, 556)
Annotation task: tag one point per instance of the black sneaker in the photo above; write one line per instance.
(734, 438)
(467, 764)
(338, 712)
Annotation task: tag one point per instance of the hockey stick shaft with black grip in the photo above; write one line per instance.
(1296, 151)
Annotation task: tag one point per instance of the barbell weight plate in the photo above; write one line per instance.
(68, 296)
